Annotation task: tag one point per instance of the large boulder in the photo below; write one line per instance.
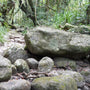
(15, 53)
(15, 85)
(61, 82)
(5, 69)
(48, 41)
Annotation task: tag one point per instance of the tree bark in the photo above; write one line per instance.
(29, 14)
(88, 14)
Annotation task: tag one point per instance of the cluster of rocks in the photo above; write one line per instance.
(55, 79)
(57, 67)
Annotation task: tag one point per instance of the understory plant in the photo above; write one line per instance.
(3, 31)
(74, 13)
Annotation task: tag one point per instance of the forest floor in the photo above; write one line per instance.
(12, 38)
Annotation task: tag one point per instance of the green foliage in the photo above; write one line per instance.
(75, 13)
(24, 32)
(6, 12)
(3, 31)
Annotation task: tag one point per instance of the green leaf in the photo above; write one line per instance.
(0, 14)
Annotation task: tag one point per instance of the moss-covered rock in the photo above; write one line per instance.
(46, 41)
(85, 73)
(64, 62)
(68, 26)
(5, 69)
(75, 75)
(21, 65)
(54, 83)
(14, 69)
(81, 29)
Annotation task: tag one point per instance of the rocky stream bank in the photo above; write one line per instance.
(45, 59)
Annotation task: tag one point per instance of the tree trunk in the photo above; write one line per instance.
(29, 14)
(47, 4)
(58, 5)
(88, 14)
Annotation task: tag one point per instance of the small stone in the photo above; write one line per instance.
(14, 69)
(33, 63)
(45, 64)
(79, 89)
(68, 26)
(21, 65)
(85, 72)
(80, 84)
(15, 85)
(87, 79)
(86, 88)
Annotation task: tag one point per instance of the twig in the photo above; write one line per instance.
(20, 75)
(37, 73)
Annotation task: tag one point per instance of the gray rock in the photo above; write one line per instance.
(15, 85)
(80, 84)
(45, 64)
(87, 79)
(61, 82)
(48, 41)
(75, 75)
(14, 69)
(33, 63)
(5, 69)
(21, 65)
(81, 29)
(68, 26)
(85, 72)
(65, 62)
(86, 88)
(15, 53)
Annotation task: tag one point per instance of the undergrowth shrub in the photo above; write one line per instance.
(3, 31)
(75, 13)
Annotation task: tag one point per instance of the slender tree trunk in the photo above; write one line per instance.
(58, 5)
(47, 4)
(88, 14)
